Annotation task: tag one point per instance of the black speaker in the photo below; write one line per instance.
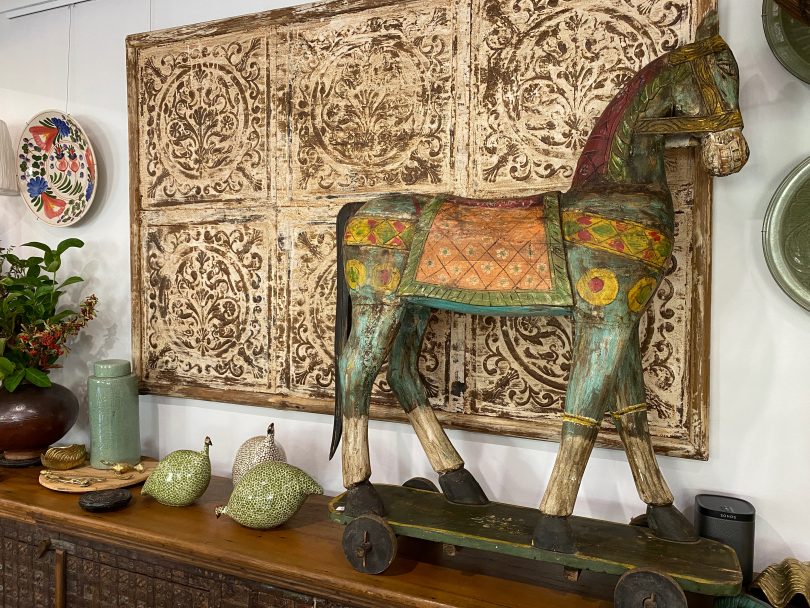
(730, 521)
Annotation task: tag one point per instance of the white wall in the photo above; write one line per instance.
(760, 407)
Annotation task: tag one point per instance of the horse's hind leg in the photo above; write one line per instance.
(598, 353)
(630, 417)
(373, 328)
(403, 376)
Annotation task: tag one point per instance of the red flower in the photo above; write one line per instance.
(53, 207)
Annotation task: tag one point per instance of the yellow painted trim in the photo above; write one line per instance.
(581, 420)
(630, 409)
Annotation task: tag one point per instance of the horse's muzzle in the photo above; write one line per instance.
(724, 152)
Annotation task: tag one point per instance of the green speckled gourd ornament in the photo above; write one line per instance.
(255, 451)
(268, 495)
(180, 478)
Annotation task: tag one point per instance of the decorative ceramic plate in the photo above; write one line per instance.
(788, 38)
(786, 235)
(58, 171)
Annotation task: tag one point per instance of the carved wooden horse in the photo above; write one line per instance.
(596, 252)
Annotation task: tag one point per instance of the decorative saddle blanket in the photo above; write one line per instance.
(489, 253)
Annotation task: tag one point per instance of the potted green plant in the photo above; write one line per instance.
(34, 334)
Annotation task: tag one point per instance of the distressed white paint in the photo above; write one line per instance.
(760, 404)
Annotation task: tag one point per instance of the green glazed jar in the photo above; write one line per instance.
(112, 394)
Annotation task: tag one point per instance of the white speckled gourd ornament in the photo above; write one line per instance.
(180, 478)
(268, 495)
(257, 450)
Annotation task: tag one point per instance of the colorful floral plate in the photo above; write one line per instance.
(58, 170)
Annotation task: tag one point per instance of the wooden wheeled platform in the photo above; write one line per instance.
(704, 566)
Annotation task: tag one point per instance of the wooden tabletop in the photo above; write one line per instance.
(305, 554)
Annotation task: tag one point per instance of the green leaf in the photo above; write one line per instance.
(37, 377)
(61, 315)
(33, 271)
(38, 245)
(52, 261)
(6, 367)
(2, 345)
(70, 281)
(68, 243)
(10, 383)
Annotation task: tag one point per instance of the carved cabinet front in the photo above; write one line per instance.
(97, 575)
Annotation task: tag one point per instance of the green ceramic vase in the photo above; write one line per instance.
(268, 495)
(180, 478)
(112, 395)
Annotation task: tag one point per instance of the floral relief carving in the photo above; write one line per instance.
(544, 71)
(251, 137)
(206, 303)
(371, 105)
(203, 116)
(310, 280)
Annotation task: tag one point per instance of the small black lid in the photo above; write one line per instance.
(725, 507)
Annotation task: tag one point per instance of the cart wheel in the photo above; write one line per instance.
(641, 521)
(647, 588)
(421, 483)
(369, 544)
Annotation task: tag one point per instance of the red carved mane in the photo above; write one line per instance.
(594, 158)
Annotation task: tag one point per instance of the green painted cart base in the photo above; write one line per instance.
(705, 566)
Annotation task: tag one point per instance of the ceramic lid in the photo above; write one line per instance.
(112, 368)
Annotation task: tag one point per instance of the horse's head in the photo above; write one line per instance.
(706, 100)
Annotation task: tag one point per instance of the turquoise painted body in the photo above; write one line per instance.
(614, 230)
(112, 394)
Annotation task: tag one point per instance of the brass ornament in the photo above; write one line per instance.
(698, 49)
(783, 581)
(65, 457)
(82, 481)
(123, 467)
(694, 124)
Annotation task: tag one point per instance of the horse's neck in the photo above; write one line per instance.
(614, 154)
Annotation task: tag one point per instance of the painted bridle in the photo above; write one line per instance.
(719, 116)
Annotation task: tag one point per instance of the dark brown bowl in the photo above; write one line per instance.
(32, 418)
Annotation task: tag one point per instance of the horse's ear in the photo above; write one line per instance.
(710, 26)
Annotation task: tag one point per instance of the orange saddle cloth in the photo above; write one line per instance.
(489, 253)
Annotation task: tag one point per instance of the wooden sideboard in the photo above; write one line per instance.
(52, 553)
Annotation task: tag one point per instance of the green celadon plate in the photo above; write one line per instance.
(788, 38)
(786, 235)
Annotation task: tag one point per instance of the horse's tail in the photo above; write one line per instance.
(343, 322)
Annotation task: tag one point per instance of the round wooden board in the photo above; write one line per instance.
(111, 480)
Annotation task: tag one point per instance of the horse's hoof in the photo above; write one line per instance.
(460, 487)
(554, 534)
(670, 524)
(363, 499)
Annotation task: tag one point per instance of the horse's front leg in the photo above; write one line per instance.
(598, 352)
(630, 417)
(374, 326)
(457, 482)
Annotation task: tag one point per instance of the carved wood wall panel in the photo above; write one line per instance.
(249, 134)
